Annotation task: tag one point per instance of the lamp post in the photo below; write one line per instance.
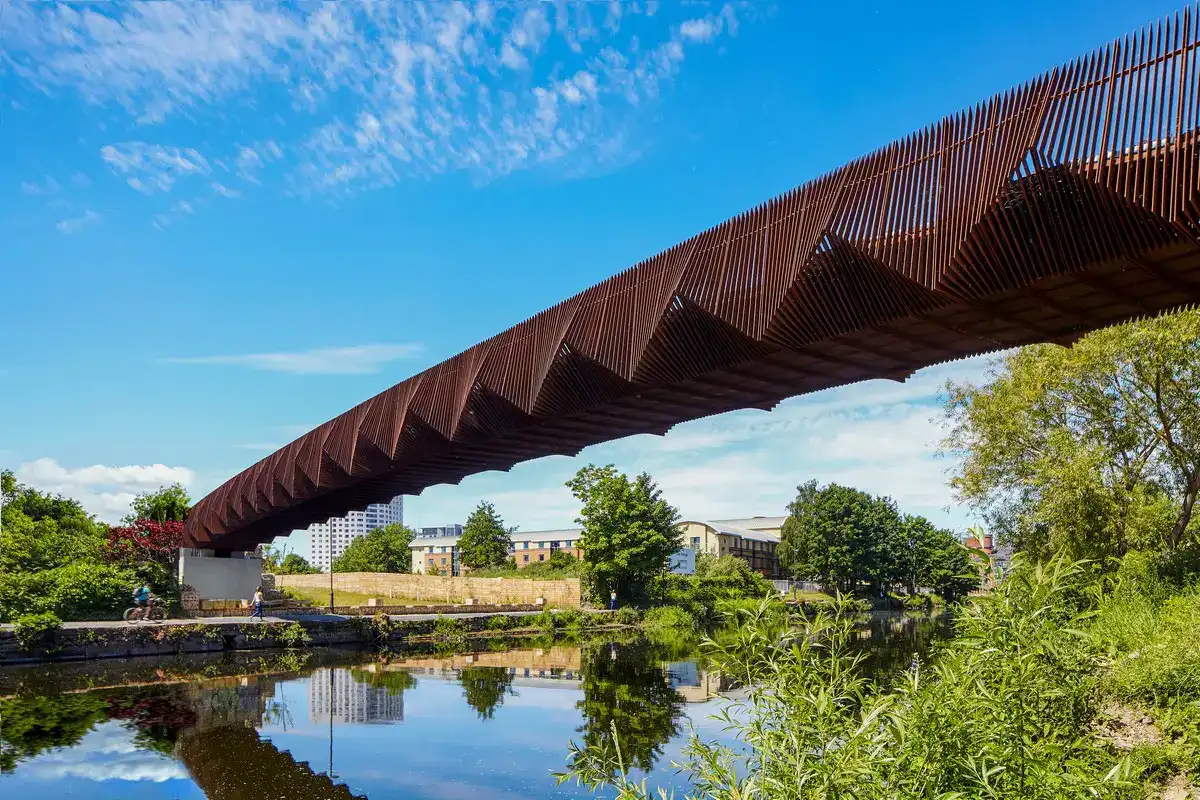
(329, 526)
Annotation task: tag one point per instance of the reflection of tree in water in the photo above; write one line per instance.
(890, 641)
(485, 687)
(156, 715)
(626, 690)
(396, 681)
(32, 725)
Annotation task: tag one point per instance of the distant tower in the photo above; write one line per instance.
(328, 540)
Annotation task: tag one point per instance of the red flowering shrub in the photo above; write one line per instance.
(144, 541)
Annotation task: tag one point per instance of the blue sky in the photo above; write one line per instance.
(225, 224)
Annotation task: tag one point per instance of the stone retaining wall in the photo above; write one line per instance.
(562, 593)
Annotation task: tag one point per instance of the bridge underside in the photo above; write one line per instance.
(1066, 205)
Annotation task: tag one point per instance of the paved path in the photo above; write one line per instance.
(289, 618)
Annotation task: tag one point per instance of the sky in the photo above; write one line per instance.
(224, 224)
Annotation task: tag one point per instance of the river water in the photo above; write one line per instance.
(494, 723)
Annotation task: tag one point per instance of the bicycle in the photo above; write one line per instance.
(151, 612)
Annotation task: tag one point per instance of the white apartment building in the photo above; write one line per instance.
(328, 540)
(335, 692)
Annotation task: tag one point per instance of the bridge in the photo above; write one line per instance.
(1064, 205)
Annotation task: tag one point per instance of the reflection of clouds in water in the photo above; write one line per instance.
(105, 753)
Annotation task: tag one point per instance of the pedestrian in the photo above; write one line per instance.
(612, 601)
(258, 604)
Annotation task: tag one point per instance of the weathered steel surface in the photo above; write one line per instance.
(1064, 205)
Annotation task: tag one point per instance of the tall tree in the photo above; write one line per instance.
(629, 531)
(165, 504)
(484, 688)
(1091, 449)
(381, 550)
(485, 541)
(841, 537)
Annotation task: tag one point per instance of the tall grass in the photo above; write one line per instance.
(1005, 710)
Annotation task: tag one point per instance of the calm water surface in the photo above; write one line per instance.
(338, 724)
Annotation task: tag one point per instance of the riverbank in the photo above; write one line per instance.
(83, 641)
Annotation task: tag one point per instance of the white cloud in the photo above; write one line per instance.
(107, 752)
(44, 187)
(152, 168)
(356, 360)
(74, 225)
(103, 490)
(421, 89)
(224, 190)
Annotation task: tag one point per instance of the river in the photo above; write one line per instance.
(489, 724)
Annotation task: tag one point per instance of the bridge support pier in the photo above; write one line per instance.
(220, 575)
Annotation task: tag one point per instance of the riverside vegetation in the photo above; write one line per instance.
(1077, 676)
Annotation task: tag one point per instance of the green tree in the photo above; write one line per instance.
(41, 531)
(32, 725)
(381, 550)
(841, 537)
(166, 504)
(1093, 449)
(484, 688)
(627, 692)
(629, 531)
(293, 564)
(485, 541)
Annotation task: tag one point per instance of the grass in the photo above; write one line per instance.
(320, 597)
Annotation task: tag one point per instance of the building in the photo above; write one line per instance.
(350, 701)
(756, 545)
(453, 529)
(528, 547)
(328, 540)
(719, 538)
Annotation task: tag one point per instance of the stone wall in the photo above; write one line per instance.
(443, 588)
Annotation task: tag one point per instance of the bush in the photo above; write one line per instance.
(79, 591)
(34, 630)
(502, 622)
(628, 615)
(669, 619)
(571, 619)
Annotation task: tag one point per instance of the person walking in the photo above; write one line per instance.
(258, 604)
(612, 601)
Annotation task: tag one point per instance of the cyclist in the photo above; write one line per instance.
(142, 599)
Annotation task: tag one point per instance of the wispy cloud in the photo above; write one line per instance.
(47, 186)
(74, 225)
(356, 360)
(105, 491)
(381, 92)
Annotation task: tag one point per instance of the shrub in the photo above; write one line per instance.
(627, 615)
(669, 618)
(571, 619)
(294, 636)
(77, 591)
(35, 630)
(503, 622)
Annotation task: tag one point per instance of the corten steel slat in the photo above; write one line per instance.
(1067, 203)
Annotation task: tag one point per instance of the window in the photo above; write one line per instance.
(443, 561)
(525, 546)
(542, 545)
(526, 559)
(430, 550)
(554, 545)
(541, 556)
(696, 542)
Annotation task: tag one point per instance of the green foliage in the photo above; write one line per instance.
(382, 550)
(504, 622)
(293, 636)
(1005, 712)
(449, 629)
(1093, 449)
(395, 681)
(36, 630)
(841, 537)
(33, 725)
(166, 504)
(718, 579)
(292, 564)
(79, 590)
(558, 566)
(484, 688)
(485, 541)
(629, 531)
(40, 531)
(671, 619)
(627, 615)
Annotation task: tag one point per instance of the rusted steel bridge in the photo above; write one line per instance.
(1064, 205)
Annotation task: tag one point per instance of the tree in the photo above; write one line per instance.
(841, 537)
(40, 531)
(293, 564)
(485, 541)
(629, 531)
(626, 692)
(484, 688)
(166, 504)
(381, 550)
(37, 723)
(150, 549)
(1093, 449)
